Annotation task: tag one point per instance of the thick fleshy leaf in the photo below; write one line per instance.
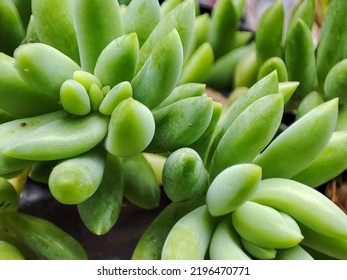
(74, 180)
(17, 98)
(332, 46)
(300, 144)
(117, 62)
(224, 23)
(181, 18)
(249, 134)
(269, 32)
(141, 17)
(300, 60)
(142, 190)
(100, 212)
(12, 30)
(265, 86)
(15, 130)
(131, 128)
(44, 68)
(62, 138)
(97, 23)
(44, 238)
(54, 25)
(198, 65)
(160, 74)
(181, 123)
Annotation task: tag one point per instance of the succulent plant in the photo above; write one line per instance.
(261, 170)
(116, 108)
(91, 97)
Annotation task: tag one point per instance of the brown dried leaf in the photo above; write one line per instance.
(338, 194)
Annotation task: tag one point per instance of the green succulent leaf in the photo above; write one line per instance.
(100, 212)
(181, 123)
(117, 61)
(44, 68)
(141, 17)
(55, 27)
(61, 138)
(182, 19)
(160, 74)
(97, 23)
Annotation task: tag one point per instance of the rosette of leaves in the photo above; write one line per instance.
(98, 88)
